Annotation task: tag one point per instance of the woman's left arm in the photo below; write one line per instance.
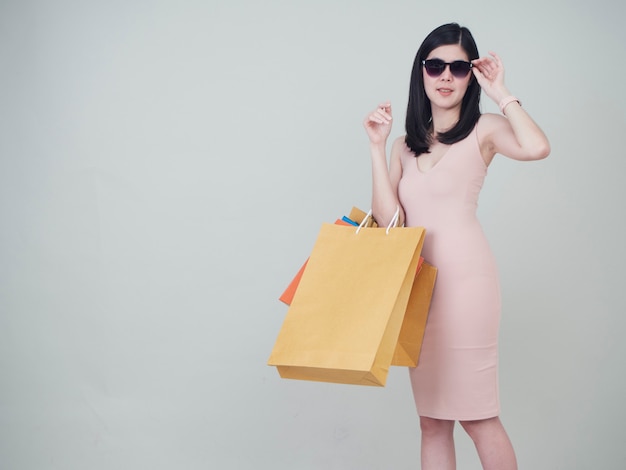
(517, 136)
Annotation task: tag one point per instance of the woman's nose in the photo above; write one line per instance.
(446, 74)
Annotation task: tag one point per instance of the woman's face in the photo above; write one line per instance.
(446, 91)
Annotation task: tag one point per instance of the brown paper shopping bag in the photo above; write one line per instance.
(287, 296)
(345, 318)
(357, 215)
(414, 324)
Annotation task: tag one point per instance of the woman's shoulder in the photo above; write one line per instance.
(399, 142)
(398, 147)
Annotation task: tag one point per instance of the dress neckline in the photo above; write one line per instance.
(443, 157)
(424, 172)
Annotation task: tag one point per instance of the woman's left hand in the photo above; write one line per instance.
(489, 73)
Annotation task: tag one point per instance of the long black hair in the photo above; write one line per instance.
(419, 113)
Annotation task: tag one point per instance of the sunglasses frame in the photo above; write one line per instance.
(453, 70)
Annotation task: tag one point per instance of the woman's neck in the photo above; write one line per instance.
(445, 119)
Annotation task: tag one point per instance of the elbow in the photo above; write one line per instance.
(545, 151)
(385, 218)
(540, 151)
(380, 219)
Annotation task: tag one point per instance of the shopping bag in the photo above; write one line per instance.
(344, 321)
(414, 324)
(412, 331)
(357, 216)
(287, 296)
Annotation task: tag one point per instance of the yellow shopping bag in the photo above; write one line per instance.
(414, 324)
(344, 322)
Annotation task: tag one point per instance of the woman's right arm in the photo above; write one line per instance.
(385, 179)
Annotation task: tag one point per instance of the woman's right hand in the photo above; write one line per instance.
(378, 123)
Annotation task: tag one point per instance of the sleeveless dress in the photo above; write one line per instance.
(457, 374)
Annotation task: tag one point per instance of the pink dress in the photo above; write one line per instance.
(457, 375)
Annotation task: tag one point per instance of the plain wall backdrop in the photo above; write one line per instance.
(164, 169)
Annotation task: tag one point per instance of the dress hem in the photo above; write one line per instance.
(478, 417)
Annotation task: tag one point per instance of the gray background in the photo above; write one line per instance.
(164, 169)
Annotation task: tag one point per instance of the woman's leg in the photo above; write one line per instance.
(437, 444)
(492, 443)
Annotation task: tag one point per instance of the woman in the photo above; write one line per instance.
(435, 174)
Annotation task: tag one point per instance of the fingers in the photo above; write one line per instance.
(382, 114)
(386, 106)
(496, 57)
(489, 67)
(488, 62)
(484, 63)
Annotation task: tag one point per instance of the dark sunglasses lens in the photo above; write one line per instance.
(460, 69)
(434, 67)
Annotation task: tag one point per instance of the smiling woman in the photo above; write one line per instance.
(446, 82)
(435, 175)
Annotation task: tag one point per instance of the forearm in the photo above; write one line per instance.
(534, 144)
(384, 197)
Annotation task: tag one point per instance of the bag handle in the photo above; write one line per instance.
(392, 223)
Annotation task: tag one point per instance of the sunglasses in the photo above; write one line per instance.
(458, 68)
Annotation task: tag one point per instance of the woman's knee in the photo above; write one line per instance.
(432, 426)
